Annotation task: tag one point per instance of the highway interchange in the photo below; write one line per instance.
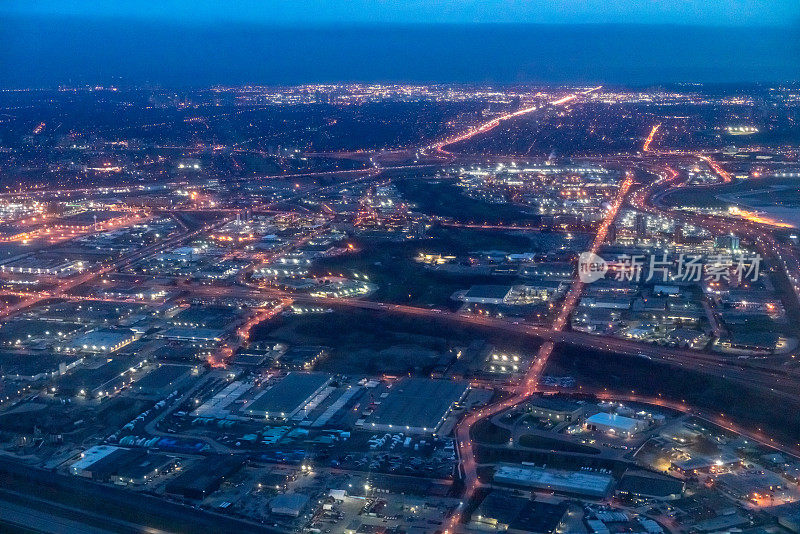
(775, 381)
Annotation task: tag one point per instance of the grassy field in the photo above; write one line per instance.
(447, 200)
(366, 341)
(625, 373)
(487, 432)
(375, 342)
(706, 197)
(400, 279)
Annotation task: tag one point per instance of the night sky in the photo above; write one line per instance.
(702, 12)
(202, 42)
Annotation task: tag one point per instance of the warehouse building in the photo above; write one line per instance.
(306, 357)
(35, 366)
(288, 396)
(646, 485)
(102, 341)
(106, 463)
(99, 377)
(501, 510)
(705, 464)
(486, 294)
(288, 504)
(615, 424)
(89, 457)
(204, 477)
(195, 335)
(142, 468)
(38, 265)
(416, 406)
(578, 483)
(210, 317)
(751, 341)
(556, 408)
(163, 380)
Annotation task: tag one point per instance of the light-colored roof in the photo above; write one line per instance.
(90, 456)
(558, 480)
(613, 420)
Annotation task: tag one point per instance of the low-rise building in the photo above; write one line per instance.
(288, 504)
(647, 485)
(204, 477)
(486, 294)
(615, 424)
(288, 396)
(579, 483)
(102, 341)
(556, 408)
(503, 511)
(416, 406)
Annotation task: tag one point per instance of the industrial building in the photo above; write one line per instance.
(35, 366)
(647, 485)
(288, 504)
(288, 396)
(195, 335)
(22, 333)
(106, 463)
(416, 405)
(98, 378)
(615, 424)
(103, 341)
(89, 220)
(210, 317)
(501, 510)
(142, 468)
(486, 294)
(705, 464)
(204, 477)
(305, 357)
(750, 484)
(753, 341)
(788, 516)
(89, 457)
(43, 266)
(556, 408)
(550, 270)
(579, 483)
(162, 380)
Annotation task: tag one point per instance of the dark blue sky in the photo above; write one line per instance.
(699, 12)
(180, 43)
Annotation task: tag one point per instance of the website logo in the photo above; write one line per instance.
(591, 267)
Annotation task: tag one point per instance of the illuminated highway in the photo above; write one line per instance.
(722, 173)
(718, 419)
(495, 122)
(649, 140)
(64, 287)
(780, 383)
(530, 381)
(756, 230)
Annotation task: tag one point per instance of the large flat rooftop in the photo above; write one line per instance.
(161, 378)
(417, 403)
(33, 366)
(488, 292)
(86, 218)
(288, 395)
(572, 482)
(555, 403)
(104, 340)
